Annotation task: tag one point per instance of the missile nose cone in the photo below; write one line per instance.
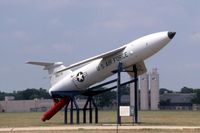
(171, 34)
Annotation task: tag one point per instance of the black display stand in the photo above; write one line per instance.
(91, 103)
(135, 80)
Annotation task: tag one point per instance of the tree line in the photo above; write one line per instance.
(105, 99)
(195, 100)
(102, 100)
(28, 94)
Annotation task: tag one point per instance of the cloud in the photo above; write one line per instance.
(20, 35)
(195, 37)
(55, 22)
(115, 24)
(54, 48)
(127, 19)
(14, 36)
(62, 47)
(5, 69)
(48, 5)
(193, 66)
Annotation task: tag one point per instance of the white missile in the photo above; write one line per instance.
(100, 67)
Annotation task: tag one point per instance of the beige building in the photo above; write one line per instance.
(36, 105)
(154, 89)
(11, 105)
(149, 91)
(144, 92)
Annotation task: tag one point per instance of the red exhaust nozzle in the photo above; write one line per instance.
(58, 105)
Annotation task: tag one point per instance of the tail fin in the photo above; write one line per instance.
(53, 68)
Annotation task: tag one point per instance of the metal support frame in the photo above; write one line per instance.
(72, 103)
(119, 92)
(65, 114)
(136, 93)
(135, 80)
(92, 104)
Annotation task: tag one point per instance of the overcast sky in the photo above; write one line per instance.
(72, 30)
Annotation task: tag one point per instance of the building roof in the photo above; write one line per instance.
(178, 97)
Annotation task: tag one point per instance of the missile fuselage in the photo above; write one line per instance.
(101, 68)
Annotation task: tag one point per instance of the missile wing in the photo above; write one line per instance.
(104, 55)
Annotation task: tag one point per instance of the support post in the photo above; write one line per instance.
(119, 92)
(73, 103)
(84, 115)
(71, 112)
(77, 119)
(77, 110)
(84, 110)
(96, 111)
(90, 109)
(136, 93)
(65, 114)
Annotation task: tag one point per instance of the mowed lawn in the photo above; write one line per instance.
(167, 118)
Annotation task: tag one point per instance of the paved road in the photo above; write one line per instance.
(60, 128)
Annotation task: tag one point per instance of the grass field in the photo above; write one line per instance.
(172, 118)
(147, 118)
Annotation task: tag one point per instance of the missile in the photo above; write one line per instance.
(102, 66)
(64, 81)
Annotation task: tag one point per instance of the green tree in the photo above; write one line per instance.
(165, 102)
(27, 94)
(187, 90)
(164, 90)
(125, 89)
(2, 95)
(196, 99)
(105, 99)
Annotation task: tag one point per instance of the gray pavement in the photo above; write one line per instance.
(87, 127)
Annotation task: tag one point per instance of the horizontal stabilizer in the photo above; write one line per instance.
(52, 69)
(40, 63)
(48, 65)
